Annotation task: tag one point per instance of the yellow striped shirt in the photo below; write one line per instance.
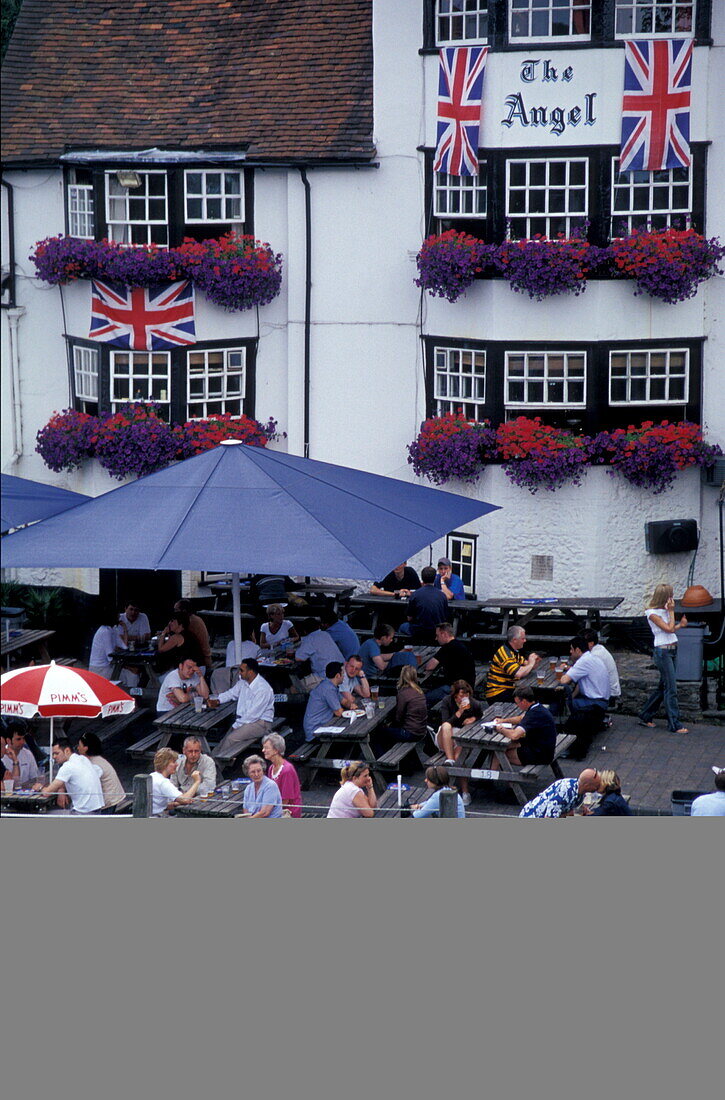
(505, 663)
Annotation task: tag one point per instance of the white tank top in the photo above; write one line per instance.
(662, 637)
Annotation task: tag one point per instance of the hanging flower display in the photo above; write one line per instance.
(542, 268)
(668, 264)
(449, 262)
(450, 446)
(236, 271)
(650, 456)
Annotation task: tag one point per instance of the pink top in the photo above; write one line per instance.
(341, 805)
(289, 787)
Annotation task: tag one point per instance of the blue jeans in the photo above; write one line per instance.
(435, 696)
(665, 661)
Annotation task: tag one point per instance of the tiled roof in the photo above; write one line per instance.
(292, 78)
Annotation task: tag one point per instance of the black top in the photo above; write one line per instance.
(409, 580)
(449, 708)
(428, 607)
(540, 740)
(456, 662)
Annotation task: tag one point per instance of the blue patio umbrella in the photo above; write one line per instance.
(24, 501)
(238, 508)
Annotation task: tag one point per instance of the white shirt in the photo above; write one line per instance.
(255, 701)
(282, 634)
(247, 649)
(607, 660)
(83, 783)
(138, 628)
(173, 680)
(163, 791)
(661, 637)
(28, 768)
(105, 640)
(206, 768)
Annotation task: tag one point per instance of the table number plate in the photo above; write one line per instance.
(483, 773)
(340, 763)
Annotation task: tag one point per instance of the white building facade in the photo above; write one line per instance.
(382, 355)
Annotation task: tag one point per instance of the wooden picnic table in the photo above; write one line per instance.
(144, 658)
(27, 802)
(227, 801)
(480, 740)
(388, 801)
(352, 737)
(377, 606)
(25, 639)
(186, 719)
(521, 610)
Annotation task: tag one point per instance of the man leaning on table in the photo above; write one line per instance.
(325, 702)
(180, 685)
(508, 665)
(399, 582)
(18, 751)
(449, 582)
(255, 711)
(563, 797)
(77, 778)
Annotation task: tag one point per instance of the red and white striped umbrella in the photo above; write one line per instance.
(58, 691)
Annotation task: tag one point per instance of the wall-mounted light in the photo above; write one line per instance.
(128, 178)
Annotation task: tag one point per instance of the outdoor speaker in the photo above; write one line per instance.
(671, 536)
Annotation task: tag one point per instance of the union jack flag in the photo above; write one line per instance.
(152, 318)
(656, 105)
(460, 86)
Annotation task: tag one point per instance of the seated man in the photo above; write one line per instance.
(374, 661)
(449, 582)
(399, 582)
(563, 797)
(426, 609)
(324, 702)
(508, 665)
(106, 640)
(134, 624)
(19, 752)
(354, 680)
(319, 649)
(455, 660)
(247, 647)
(595, 646)
(534, 732)
(180, 685)
(77, 778)
(255, 711)
(588, 674)
(342, 635)
(711, 805)
(197, 627)
(191, 762)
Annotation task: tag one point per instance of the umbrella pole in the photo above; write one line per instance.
(50, 757)
(237, 613)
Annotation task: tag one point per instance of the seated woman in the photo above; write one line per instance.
(410, 721)
(356, 796)
(176, 643)
(262, 796)
(163, 791)
(612, 804)
(437, 779)
(457, 710)
(277, 631)
(89, 745)
(283, 773)
(106, 639)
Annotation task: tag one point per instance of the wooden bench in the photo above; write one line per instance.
(517, 777)
(394, 757)
(145, 747)
(67, 662)
(388, 801)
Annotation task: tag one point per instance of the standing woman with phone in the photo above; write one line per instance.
(661, 617)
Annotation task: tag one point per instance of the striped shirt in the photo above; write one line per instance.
(505, 663)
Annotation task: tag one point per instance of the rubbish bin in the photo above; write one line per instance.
(681, 802)
(689, 651)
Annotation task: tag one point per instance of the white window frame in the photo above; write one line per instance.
(136, 194)
(205, 196)
(197, 407)
(528, 7)
(86, 367)
(634, 182)
(157, 377)
(638, 5)
(460, 190)
(81, 215)
(566, 403)
(570, 217)
(649, 376)
(448, 364)
(447, 15)
(456, 542)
